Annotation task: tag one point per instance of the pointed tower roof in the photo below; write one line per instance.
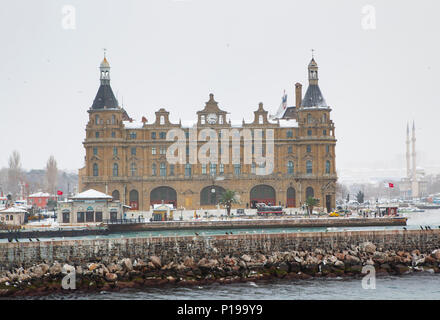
(313, 96)
(105, 98)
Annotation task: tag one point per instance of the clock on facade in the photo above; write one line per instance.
(211, 118)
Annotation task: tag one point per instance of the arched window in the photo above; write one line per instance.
(95, 170)
(115, 170)
(211, 195)
(260, 119)
(309, 168)
(162, 120)
(163, 169)
(290, 167)
(133, 169)
(115, 195)
(153, 169)
(327, 166)
(310, 193)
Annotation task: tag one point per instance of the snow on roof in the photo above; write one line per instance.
(39, 195)
(13, 210)
(133, 125)
(91, 194)
(288, 123)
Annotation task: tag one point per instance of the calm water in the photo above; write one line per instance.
(421, 285)
(413, 286)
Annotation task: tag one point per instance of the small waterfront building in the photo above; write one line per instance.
(40, 199)
(89, 207)
(13, 216)
(163, 212)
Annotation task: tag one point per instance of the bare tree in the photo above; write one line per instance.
(14, 173)
(51, 174)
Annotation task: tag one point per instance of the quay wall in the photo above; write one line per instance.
(260, 223)
(175, 249)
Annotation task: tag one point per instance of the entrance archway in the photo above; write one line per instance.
(134, 199)
(163, 194)
(291, 197)
(262, 194)
(211, 195)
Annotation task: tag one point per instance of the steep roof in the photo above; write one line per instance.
(105, 98)
(313, 97)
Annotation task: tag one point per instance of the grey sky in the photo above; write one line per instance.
(172, 54)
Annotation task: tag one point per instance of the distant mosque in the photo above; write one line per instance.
(414, 185)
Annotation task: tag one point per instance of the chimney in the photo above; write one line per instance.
(298, 95)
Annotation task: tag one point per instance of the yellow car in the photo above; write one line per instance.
(334, 214)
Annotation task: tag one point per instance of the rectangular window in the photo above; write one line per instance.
(98, 216)
(237, 169)
(133, 151)
(327, 148)
(115, 151)
(97, 134)
(213, 169)
(89, 216)
(95, 151)
(80, 217)
(309, 148)
(289, 134)
(153, 135)
(133, 135)
(289, 149)
(113, 134)
(153, 150)
(163, 150)
(222, 168)
(162, 135)
(203, 168)
(171, 169)
(187, 134)
(309, 132)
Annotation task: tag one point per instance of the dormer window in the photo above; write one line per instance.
(162, 120)
(202, 119)
(113, 119)
(260, 119)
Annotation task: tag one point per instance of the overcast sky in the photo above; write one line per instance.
(172, 54)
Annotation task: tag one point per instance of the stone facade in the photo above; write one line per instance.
(127, 159)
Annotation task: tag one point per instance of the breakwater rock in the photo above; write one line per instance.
(111, 264)
(113, 273)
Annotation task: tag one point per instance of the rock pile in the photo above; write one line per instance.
(116, 273)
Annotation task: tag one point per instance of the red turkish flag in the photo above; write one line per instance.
(391, 185)
(59, 192)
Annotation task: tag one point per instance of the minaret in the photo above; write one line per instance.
(408, 154)
(415, 186)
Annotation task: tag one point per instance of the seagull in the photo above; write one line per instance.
(9, 239)
(404, 228)
(421, 227)
(30, 240)
(38, 240)
(16, 240)
(196, 233)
